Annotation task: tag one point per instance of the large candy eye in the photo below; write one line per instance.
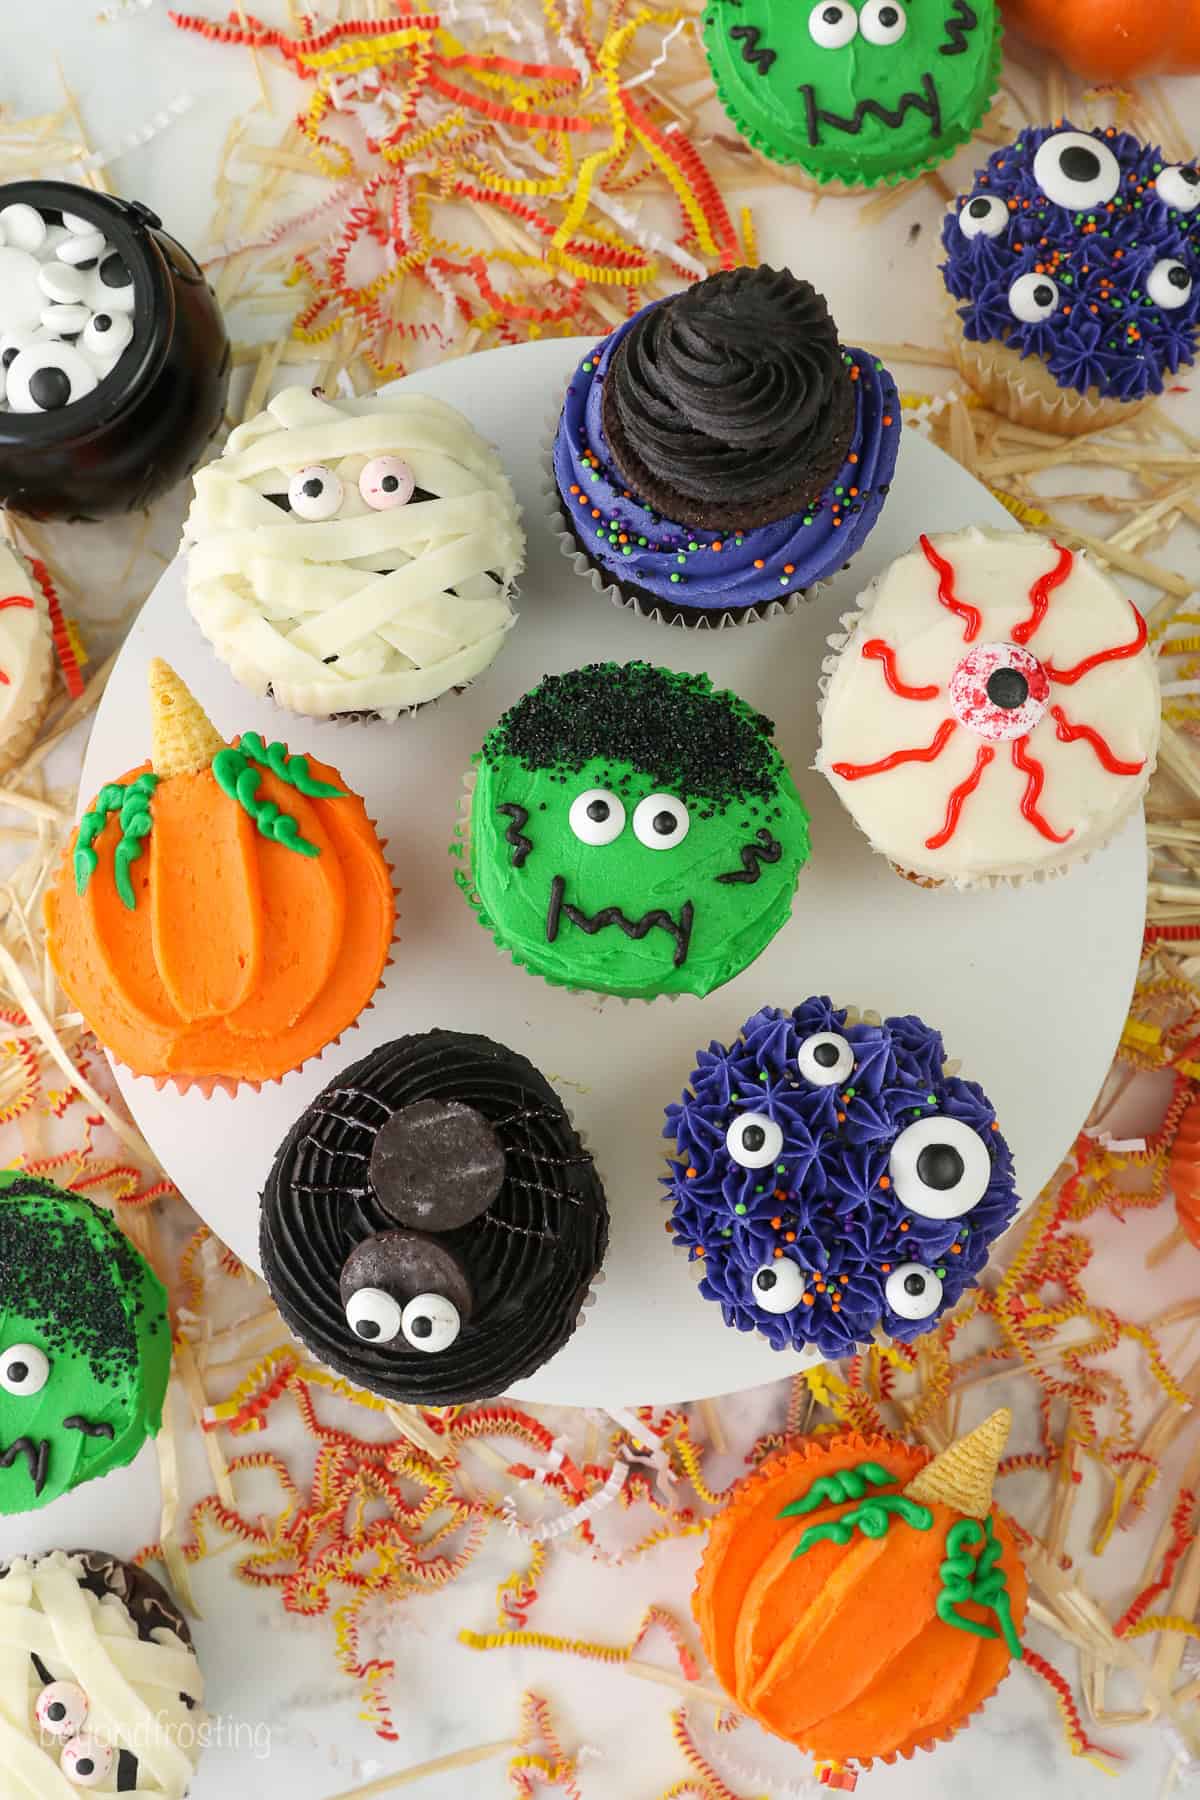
(1076, 170)
(112, 286)
(596, 816)
(86, 1762)
(833, 24)
(315, 493)
(778, 1286)
(825, 1059)
(385, 482)
(753, 1140)
(373, 1316)
(24, 1370)
(61, 1710)
(1169, 284)
(1033, 298)
(984, 216)
(105, 336)
(999, 691)
(883, 22)
(431, 1322)
(940, 1168)
(913, 1291)
(660, 822)
(1179, 186)
(48, 376)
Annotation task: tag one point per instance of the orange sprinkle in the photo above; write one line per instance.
(885, 1181)
(789, 568)
(789, 1237)
(776, 1223)
(845, 1280)
(887, 419)
(904, 1227)
(622, 539)
(691, 1174)
(574, 488)
(759, 563)
(886, 1267)
(841, 1118)
(853, 456)
(956, 1249)
(778, 1251)
(806, 1299)
(854, 493)
(718, 545)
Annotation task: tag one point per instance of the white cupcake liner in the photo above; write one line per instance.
(21, 728)
(1023, 390)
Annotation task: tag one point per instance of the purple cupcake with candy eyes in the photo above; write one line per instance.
(834, 1178)
(1074, 265)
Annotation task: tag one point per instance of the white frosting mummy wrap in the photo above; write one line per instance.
(993, 712)
(354, 597)
(116, 1696)
(26, 655)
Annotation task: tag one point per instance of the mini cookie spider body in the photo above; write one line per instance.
(833, 1179)
(993, 712)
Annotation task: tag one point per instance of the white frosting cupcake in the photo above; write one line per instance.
(354, 555)
(992, 712)
(26, 658)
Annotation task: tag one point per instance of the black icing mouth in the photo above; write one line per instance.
(680, 931)
(37, 1459)
(926, 101)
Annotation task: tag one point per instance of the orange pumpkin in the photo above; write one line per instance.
(860, 1599)
(1183, 1170)
(1113, 40)
(224, 911)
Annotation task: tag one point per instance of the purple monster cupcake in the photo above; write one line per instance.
(835, 1179)
(1075, 265)
(722, 452)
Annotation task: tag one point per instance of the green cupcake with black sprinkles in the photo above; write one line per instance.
(632, 831)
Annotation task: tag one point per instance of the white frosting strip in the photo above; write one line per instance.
(26, 646)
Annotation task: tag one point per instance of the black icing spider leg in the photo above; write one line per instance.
(525, 1231)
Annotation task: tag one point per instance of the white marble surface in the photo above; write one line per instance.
(270, 1673)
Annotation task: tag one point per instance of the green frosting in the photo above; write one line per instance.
(74, 1292)
(132, 801)
(626, 916)
(856, 91)
(832, 1490)
(237, 776)
(873, 1519)
(980, 1580)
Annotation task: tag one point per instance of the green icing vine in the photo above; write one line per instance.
(873, 1518)
(847, 1484)
(238, 777)
(291, 769)
(980, 1580)
(133, 804)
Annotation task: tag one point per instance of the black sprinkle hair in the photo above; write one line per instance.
(692, 740)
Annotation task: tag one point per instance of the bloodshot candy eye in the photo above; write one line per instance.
(823, 1211)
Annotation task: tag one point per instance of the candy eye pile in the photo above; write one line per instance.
(66, 305)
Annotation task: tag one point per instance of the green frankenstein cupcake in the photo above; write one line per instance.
(85, 1344)
(633, 832)
(857, 94)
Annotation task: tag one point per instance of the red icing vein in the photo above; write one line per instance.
(1030, 766)
(1068, 677)
(1070, 734)
(925, 753)
(1040, 592)
(879, 651)
(958, 795)
(970, 615)
(13, 600)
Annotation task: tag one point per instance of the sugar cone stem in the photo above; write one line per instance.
(183, 739)
(964, 1476)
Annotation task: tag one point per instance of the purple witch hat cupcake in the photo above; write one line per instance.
(722, 452)
(834, 1178)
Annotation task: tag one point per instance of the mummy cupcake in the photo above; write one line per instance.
(432, 1224)
(722, 452)
(992, 712)
(834, 1179)
(354, 556)
(85, 1345)
(102, 1686)
(1074, 265)
(26, 656)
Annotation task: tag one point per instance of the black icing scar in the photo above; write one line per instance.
(764, 849)
(965, 19)
(515, 835)
(753, 51)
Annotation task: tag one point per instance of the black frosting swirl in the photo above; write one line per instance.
(530, 1258)
(734, 393)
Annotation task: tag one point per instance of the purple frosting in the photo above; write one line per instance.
(843, 1228)
(1106, 330)
(679, 563)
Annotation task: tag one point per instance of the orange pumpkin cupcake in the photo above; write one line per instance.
(224, 911)
(860, 1599)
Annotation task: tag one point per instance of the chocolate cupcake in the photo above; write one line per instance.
(723, 452)
(432, 1223)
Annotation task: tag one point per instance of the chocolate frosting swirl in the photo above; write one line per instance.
(734, 393)
(529, 1259)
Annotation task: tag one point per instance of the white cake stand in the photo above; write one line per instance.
(1030, 988)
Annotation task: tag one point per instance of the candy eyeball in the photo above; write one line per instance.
(87, 1762)
(374, 1316)
(984, 215)
(23, 226)
(833, 24)
(883, 21)
(778, 1287)
(24, 1370)
(825, 1059)
(940, 1168)
(1076, 170)
(597, 816)
(431, 1323)
(1033, 298)
(106, 335)
(660, 822)
(315, 493)
(61, 1710)
(1169, 284)
(913, 1291)
(112, 285)
(753, 1140)
(386, 481)
(47, 376)
(1178, 186)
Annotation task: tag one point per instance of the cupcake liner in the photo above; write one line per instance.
(1023, 390)
(23, 726)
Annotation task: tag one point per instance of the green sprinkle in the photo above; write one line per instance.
(740, 1208)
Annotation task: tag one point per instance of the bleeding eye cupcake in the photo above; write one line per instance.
(1075, 265)
(834, 1178)
(722, 452)
(432, 1225)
